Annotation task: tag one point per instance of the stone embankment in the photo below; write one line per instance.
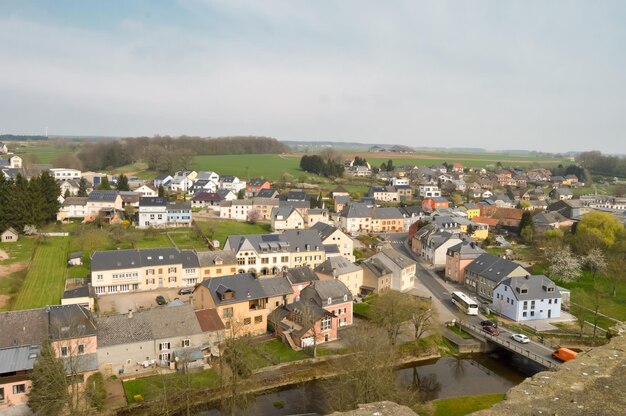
(591, 384)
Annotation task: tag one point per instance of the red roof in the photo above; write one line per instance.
(209, 320)
(492, 222)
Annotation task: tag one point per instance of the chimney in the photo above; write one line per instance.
(130, 313)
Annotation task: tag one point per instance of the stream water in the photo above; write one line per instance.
(439, 378)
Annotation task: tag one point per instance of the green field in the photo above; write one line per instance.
(221, 229)
(151, 388)
(187, 240)
(460, 406)
(43, 153)
(466, 159)
(45, 280)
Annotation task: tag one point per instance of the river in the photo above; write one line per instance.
(439, 378)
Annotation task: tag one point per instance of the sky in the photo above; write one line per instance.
(538, 75)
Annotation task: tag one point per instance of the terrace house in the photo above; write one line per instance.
(487, 271)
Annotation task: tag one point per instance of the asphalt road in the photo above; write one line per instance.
(439, 291)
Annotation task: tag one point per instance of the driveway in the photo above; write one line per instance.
(123, 302)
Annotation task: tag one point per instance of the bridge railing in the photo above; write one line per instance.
(513, 346)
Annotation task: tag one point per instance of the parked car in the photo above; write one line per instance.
(492, 330)
(185, 291)
(160, 300)
(520, 338)
(564, 354)
(489, 323)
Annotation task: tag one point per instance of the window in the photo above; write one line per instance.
(1, 394)
(247, 321)
(227, 313)
(241, 261)
(258, 319)
(252, 260)
(186, 343)
(525, 314)
(81, 348)
(265, 261)
(284, 259)
(19, 388)
(165, 356)
(64, 352)
(532, 313)
(164, 346)
(227, 325)
(525, 304)
(326, 323)
(100, 277)
(171, 269)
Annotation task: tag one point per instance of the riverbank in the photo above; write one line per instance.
(261, 381)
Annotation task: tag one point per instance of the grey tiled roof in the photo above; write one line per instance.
(288, 241)
(338, 265)
(152, 324)
(491, 267)
(244, 285)
(275, 286)
(387, 213)
(108, 196)
(324, 230)
(302, 274)
(376, 266)
(70, 321)
(18, 358)
(209, 258)
(190, 259)
(23, 327)
(129, 259)
(322, 290)
(535, 286)
(356, 210)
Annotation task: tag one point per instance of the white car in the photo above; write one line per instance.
(520, 338)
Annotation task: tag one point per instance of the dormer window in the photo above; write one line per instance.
(329, 300)
(345, 298)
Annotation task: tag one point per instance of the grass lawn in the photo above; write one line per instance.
(45, 153)
(460, 332)
(361, 310)
(187, 239)
(460, 406)
(222, 229)
(45, 279)
(277, 352)
(152, 387)
(157, 240)
(20, 251)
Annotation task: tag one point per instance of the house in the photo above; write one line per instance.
(331, 235)
(268, 193)
(457, 167)
(69, 186)
(75, 258)
(343, 270)
(256, 185)
(146, 190)
(163, 179)
(286, 218)
(436, 245)
(61, 174)
(78, 292)
(264, 206)
(11, 162)
(324, 307)
(572, 209)
(152, 212)
(181, 183)
(315, 215)
(129, 198)
(402, 268)
(527, 298)
(458, 257)
(387, 220)
(384, 193)
(179, 214)
(405, 192)
(377, 276)
(561, 194)
(268, 254)
(243, 301)
(295, 195)
(121, 271)
(207, 175)
(216, 263)
(237, 209)
(433, 203)
(429, 191)
(203, 185)
(483, 274)
(102, 202)
(127, 342)
(16, 366)
(509, 218)
(299, 278)
(472, 210)
(359, 171)
(72, 207)
(550, 220)
(9, 236)
(3, 148)
(340, 202)
(231, 183)
(395, 181)
(355, 216)
(207, 200)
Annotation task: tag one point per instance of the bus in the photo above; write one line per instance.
(465, 303)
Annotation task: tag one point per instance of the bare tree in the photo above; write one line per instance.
(390, 309)
(423, 319)
(616, 271)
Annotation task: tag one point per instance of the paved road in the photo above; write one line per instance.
(441, 291)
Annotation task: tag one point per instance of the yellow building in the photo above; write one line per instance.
(472, 210)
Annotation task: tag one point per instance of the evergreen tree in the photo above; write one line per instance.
(67, 194)
(389, 165)
(49, 395)
(526, 221)
(82, 187)
(104, 185)
(122, 183)
(161, 191)
(50, 191)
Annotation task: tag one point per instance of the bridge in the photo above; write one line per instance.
(533, 351)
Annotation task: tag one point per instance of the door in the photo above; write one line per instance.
(549, 313)
(160, 282)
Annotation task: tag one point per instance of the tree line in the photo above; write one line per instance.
(601, 164)
(328, 167)
(166, 154)
(28, 202)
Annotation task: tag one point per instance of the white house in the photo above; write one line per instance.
(400, 182)
(152, 212)
(72, 186)
(429, 191)
(286, 218)
(146, 190)
(237, 209)
(232, 183)
(62, 173)
(527, 298)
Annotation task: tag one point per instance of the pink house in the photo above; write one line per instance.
(458, 257)
(299, 278)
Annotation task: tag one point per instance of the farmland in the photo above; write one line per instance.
(44, 153)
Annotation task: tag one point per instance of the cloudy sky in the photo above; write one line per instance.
(542, 75)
